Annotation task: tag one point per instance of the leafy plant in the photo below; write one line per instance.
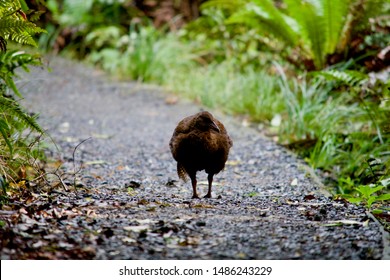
(13, 116)
(314, 29)
(215, 41)
(72, 21)
(12, 60)
(337, 122)
(14, 24)
(15, 121)
(371, 142)
(144, 54)
(367, 194)
(17, 152)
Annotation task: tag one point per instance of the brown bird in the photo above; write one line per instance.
(200, 142)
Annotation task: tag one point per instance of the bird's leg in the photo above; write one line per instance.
(210, 179)
(193, 182)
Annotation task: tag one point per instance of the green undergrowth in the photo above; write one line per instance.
(249, 92)
(20, 133)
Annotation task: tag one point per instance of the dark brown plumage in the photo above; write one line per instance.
(200, 142)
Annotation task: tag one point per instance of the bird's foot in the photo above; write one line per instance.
(195, 196)
(208, 195)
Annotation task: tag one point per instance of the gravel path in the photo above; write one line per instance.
(129, 203)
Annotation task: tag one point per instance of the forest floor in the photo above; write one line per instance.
(123, 199)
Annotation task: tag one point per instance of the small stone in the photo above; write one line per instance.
(200, 223)
(133, 184)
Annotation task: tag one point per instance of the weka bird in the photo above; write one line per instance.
(200, 142)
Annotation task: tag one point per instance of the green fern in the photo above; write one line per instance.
(312, 27)
(15, 149)
(350, 78)
(9, 5)
(334, 19)
(316, 28)
(261, 15)
(9, 108)
(11, 60)
(15, 26)
(14, 116)
(14, 109)
(4, 131)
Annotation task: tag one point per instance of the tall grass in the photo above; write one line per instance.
(314, 111)
(250, 92)
(336, 131)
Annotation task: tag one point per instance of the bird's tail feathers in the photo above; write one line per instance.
(181, 172)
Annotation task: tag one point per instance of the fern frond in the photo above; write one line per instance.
(4, 131)
(11, 84)
(11, 60)
(14, 119)
(308, 14)
(335, 14)
(231, 5)
(24, 39)
(19, 31)
(348, 77)
(263, 15)
(7, 6)
(14, 59)
(11, 108)
(3, 44)
(34, 16)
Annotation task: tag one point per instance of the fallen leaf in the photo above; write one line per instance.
(65, 245)
(95, 162)
(345, 222)
(276, 120)
(171, 100)
(38, 244)
(121, 168)
(233, 162)
(101, 136)
(206, 183)
(309, 197)
(136, 228)
(294, 182)
(206, 206)
(129, 240)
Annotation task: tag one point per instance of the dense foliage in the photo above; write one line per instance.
(314, 73)
(18, 156)
(311, 34)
